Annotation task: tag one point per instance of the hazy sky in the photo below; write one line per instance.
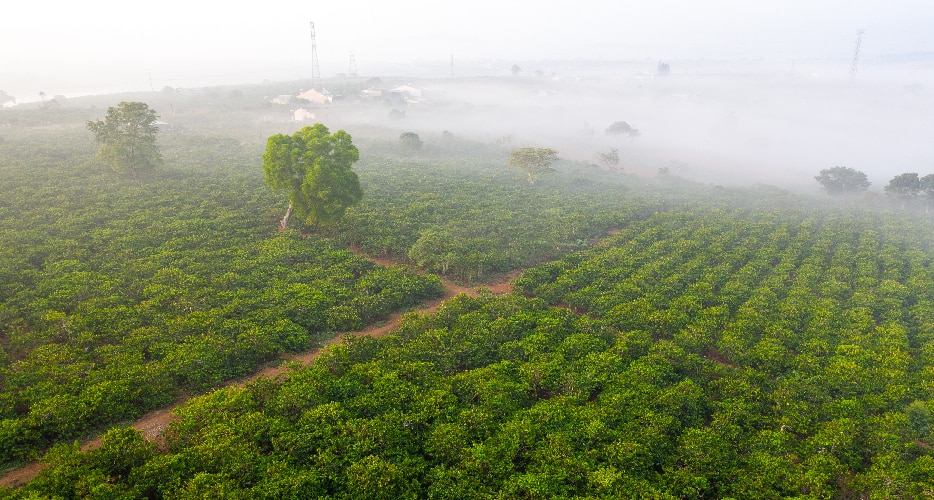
(72, 48)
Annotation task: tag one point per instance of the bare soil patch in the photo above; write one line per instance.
(19, 477)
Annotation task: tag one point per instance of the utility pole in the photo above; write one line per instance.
(859, 43)
(315, 70)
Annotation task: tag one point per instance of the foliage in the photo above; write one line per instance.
(533, 161)
(5, 98)
(795, 364)
(912, 193)
(609, 158)
(410, 142)
(719, 345)
(842, 180)
(622, 128)
(128, 138)
(117, 295)
(919, 419)
(806, 332)
(926, 185)
(457, 217)
(314, 167)
(904, 185)
(436, 407)
(450, 211)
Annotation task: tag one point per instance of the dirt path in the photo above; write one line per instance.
(501, 286)
(154, 423)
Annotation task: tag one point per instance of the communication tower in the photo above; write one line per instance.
(859, 43)
(352, 69)
(315, 70)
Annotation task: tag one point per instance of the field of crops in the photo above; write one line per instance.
(697, 354)
(665, 338)
(117, 295)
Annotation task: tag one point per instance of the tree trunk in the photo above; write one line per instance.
(284, 223)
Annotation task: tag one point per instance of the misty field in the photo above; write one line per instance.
(665, 337)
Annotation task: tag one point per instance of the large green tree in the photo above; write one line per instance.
(533, 161)
(842, 180)
(410, 142)
(905, 186)
(314, 167)
(128, 138)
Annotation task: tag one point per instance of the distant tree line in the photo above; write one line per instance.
(909, 189)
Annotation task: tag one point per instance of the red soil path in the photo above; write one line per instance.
(154, 423)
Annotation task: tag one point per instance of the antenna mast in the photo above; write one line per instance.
(315, 70)
(859, 43)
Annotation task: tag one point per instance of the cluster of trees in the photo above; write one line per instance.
(463, 219)
(118, 294)
(723, 354)
(905, 187)
(466, 220)
(908, 186)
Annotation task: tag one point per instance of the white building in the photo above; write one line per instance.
(316, 97)
(302, 114)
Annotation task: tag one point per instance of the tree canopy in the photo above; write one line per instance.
(410, 142)
(904, 185)
(842, 180)
(128, 138)
(314, 167)
(609, 158)
(926, 184)
(533, 161)
(622, 128)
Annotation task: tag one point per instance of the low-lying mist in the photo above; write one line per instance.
(720, 123)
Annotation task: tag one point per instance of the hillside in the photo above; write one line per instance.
(666, 338)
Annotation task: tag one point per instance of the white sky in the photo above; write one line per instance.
(80, 47)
